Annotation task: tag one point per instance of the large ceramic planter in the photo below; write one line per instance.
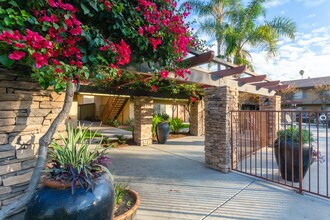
(59, 203)
(292, 151)
(162, 131)
(130, 214)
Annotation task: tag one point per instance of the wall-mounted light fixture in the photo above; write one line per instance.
(266, 102)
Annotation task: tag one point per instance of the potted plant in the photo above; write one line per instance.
(127, 202)
(162, 127)
(287, 152)
(78, 184)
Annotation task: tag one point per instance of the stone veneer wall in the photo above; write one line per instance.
(197, 122)
(26, 112)
(143, 111)
(219, 101)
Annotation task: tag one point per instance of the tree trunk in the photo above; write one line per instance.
(219, 51)
(44, 142)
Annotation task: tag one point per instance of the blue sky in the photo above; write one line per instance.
(310, 51)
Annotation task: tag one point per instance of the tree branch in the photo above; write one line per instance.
(44, 142)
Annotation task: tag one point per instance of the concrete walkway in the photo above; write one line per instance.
(106, 130)
(174, 184)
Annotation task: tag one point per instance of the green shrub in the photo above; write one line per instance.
(72, 160)
(155, 120)
(113, 122)
(164, 116)
(121, 139)
(176, 124)
(292, 134)
(120, 192)
(89, 133)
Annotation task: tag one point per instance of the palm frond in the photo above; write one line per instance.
(201, 8)
(284, 26)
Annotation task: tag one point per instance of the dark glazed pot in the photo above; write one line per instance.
(162, 131)
(48, 203)
(287, 163)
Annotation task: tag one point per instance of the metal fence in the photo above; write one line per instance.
(287, 147)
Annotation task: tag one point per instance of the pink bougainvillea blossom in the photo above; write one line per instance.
(153, 88)
(163, 74)
(16, 55)
(155, 42)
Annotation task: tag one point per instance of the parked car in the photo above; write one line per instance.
(323, 118)
(305, 117)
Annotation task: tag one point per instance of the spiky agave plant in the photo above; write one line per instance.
(73, 160)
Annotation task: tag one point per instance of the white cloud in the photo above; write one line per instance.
(310, 52)
(312, 41)
(311, 16)
(309, 25)
(275, 3)
(311, 3)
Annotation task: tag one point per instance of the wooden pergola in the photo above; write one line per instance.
(245, 80)
(229, 75)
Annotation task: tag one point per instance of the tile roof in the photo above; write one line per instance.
(309, 82)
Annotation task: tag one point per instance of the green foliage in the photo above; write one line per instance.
(89, 133)
(120, 192)
(100, 41)
(113, 122)
(176, 124)
(236, 25)
(165, 117)
(292, 134)
(73, 160)
(130, 122)
(121, 139)
(155, 120)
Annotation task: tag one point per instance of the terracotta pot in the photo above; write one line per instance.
(130, 214)
(58, 185)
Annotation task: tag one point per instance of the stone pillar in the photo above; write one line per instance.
(271, 105)
(219, 101)
(197, 125)
(143, 110)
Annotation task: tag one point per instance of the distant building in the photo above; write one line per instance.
(305, 97)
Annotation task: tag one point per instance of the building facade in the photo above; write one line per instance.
(306, 96)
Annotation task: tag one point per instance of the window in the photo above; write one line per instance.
(159, 108)
(300, 94)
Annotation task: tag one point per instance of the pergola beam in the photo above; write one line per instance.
(203, 77)
(267, 84)
(199, 59)
(230, 72)
(225, 63)
(252, 79)
(128, 83)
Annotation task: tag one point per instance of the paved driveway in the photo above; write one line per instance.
(174, 184)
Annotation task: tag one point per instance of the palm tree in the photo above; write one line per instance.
(246, 30)
(214, 16)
